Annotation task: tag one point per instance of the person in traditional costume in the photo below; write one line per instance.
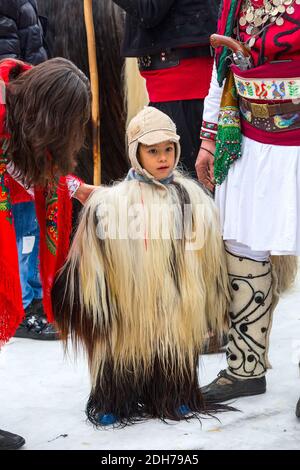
(139, 291)
(251, 151)
(22, 37)
(43, 113)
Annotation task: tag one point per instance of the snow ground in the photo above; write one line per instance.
(43, 397)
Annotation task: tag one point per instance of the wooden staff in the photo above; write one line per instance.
(94, 77)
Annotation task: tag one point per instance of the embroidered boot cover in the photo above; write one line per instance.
(254, 298)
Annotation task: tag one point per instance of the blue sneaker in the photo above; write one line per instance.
(183, 410)
(106, 420)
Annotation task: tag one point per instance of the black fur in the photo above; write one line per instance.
(158, 393)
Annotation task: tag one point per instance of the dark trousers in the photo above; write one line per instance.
(187, 116)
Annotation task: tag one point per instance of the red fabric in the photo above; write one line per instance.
(5, 68)
(287, 44)
(287, 138)
(270, 70)
(257, 3)
(187, 81)
(54, 216)
(11, 309)
(50, 263)
(18, 193)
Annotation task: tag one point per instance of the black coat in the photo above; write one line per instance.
(154, 25)
(21, 33)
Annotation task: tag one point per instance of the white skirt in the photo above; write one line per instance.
(259, 201)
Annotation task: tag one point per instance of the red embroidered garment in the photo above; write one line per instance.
(278, 42)
(53, 208)
(275, 43)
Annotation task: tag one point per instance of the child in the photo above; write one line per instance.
(141, 294)
(35, 159)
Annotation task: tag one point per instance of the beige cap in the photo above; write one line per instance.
(150, 126)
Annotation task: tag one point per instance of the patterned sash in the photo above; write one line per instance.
(274, 89)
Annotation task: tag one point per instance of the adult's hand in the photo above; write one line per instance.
(83, 192)
(205, 164)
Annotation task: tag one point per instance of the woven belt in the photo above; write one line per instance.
(171, 57)
(265, 110)
(271, 117)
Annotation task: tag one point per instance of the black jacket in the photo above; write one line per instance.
(21, 33)
(154, 25)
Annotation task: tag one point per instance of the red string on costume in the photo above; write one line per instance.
(145, 232)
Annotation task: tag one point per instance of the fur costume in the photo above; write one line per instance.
(142, 307)
(142, 299)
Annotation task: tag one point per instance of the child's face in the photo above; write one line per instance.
(158, 159)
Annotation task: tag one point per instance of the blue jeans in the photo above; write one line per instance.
(28, 236)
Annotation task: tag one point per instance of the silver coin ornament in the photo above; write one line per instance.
(256, 18)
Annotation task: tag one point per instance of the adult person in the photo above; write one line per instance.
(251, 150)
(170, 38)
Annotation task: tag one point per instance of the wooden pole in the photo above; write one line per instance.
(94, 78)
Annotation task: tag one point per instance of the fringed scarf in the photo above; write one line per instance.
(229, 136)
(53, 208)
(229, 12)
(134, 175)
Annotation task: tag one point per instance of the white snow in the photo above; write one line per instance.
(43, 396)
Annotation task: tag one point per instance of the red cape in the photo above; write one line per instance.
(54, 213)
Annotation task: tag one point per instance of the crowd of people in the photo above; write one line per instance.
(221, 132)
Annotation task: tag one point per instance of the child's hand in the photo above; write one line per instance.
(83, 192)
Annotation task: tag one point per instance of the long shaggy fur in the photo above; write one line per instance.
(142, 307)
(286, 268)
(135, 91)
